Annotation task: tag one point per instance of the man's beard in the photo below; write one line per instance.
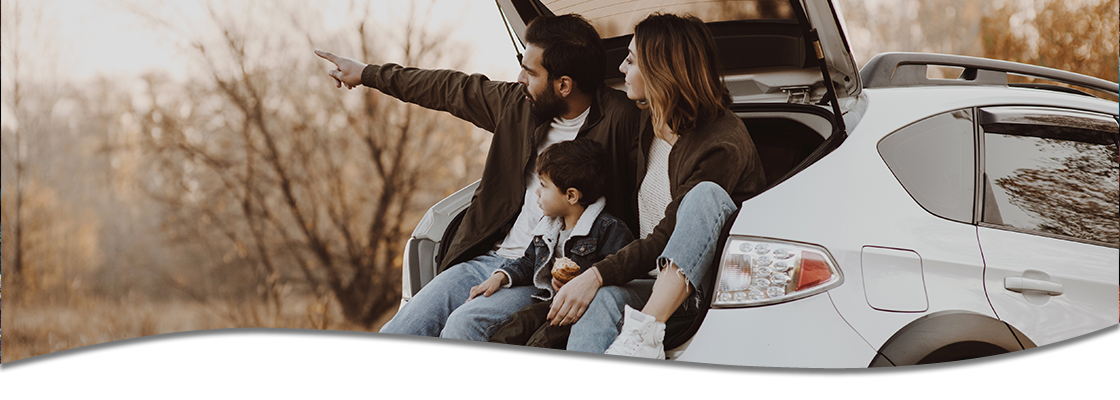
(546, 105)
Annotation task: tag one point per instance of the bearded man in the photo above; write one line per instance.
(559, 95)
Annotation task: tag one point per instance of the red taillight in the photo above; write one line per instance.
(760, 271)
(814, 270)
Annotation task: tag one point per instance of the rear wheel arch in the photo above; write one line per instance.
(949, 336)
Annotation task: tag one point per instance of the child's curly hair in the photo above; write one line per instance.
(575, 164)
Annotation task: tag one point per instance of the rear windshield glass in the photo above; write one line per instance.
(613, 18)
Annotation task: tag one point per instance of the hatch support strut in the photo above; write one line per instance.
(509, 29)
(815, 41)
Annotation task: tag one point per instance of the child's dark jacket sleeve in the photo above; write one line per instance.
(520, 271)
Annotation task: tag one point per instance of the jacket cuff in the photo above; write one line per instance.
(509, 279)
(369, 75)
(608, 270)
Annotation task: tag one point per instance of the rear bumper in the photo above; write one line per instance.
(806, 333)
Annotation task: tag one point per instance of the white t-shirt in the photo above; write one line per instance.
(560, 241)
(513, 246)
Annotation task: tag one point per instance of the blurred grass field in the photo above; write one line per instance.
(37, 327)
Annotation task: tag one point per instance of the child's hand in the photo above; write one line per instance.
(489, 286)
(556, 285)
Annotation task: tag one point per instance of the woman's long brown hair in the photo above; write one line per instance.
(680, 64)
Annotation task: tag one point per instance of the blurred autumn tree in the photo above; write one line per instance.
(250, 192)
(286, 184)
(48, 236)
(57, 219)
(1079, 36)
(937, 26)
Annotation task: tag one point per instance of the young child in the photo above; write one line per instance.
(575, 227)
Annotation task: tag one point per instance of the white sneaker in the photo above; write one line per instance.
(641, 336)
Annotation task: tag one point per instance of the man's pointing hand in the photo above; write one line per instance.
(348, 71)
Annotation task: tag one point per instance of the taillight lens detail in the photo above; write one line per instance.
(756, 271)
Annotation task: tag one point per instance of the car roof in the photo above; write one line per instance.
(901, 69)
(891, 108)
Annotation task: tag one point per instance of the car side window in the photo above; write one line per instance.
(934, 159)
(1054, 172)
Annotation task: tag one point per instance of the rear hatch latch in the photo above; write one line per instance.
(797, 94)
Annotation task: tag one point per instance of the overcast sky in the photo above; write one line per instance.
(102, 36)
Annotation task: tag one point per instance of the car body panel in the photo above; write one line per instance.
(893, 279)
(866, 212)
(948, 336)
(437, 218)
(768, 337)
(1086, 273)
(421, 249)
(1050, 286)
(877, 211)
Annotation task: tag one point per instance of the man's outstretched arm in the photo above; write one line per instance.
(473, 98)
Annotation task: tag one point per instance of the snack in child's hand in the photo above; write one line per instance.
(564, 269)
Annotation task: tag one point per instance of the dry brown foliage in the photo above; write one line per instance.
(251, 194)
(1073, 36)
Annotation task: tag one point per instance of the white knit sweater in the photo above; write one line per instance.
(654, 195)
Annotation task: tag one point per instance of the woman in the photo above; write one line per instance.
(696, 164)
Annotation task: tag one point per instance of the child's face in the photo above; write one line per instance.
(553, 202)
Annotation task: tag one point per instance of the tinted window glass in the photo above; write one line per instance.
(1067, 183)
(934, 159)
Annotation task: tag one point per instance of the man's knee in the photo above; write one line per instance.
(462, 326)
(479, 317)
(458, 271)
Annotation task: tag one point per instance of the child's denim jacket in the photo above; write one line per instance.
(596, 235)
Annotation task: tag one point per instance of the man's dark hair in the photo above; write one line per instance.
(575, 164)
(570, 46)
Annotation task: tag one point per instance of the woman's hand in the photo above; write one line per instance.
(489, 286)
(573, 298)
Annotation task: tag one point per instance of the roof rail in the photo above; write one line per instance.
(909, 69)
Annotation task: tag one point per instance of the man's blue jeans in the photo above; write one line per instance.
(692, 246)
(439, 310)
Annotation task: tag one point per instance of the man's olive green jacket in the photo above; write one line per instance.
(502, 109)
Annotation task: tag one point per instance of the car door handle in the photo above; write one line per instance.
(1020, 284)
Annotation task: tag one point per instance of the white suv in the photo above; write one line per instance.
(936, 220)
